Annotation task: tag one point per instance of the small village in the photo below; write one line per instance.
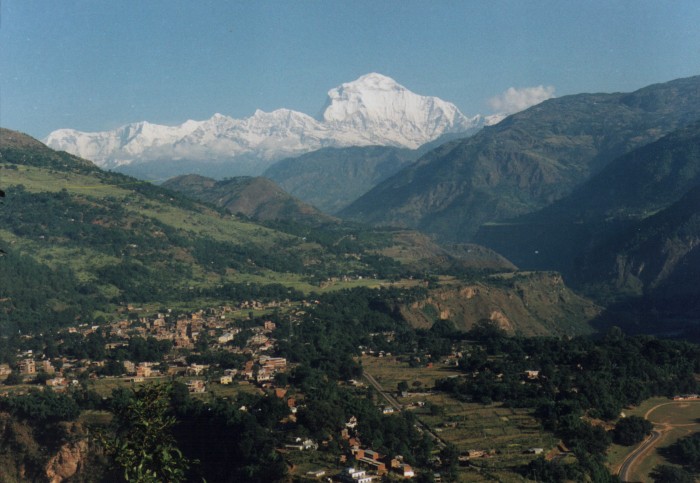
(252, 341)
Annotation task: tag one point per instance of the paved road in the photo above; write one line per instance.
(388, 397)
(637, 453)
(397, 406)
(648, 444)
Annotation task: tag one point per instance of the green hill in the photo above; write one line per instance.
(527, 161)
(257, 198)
(630, 188)
(91, 238)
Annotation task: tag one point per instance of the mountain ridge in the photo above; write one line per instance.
(630, 188)
(254, 197)
(372, 110)
(527, 161)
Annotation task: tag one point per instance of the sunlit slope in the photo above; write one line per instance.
(527, 161)
(137, 242)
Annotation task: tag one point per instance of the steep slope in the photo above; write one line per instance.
(331, 178)
(92, 238)
(527, 161)
(372, 110)
(524, 304)
(657, 258)
(257, 198)
(630, 188)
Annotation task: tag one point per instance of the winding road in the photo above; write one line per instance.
(648, 445)
(632, 458)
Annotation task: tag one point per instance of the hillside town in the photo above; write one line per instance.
(251, 341)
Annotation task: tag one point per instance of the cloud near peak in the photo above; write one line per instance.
(517, 99)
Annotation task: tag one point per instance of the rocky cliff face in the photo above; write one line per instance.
(65, 464)
(57, 454)
(525, 304)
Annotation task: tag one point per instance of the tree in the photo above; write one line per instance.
(631, 430)
(13, 379)
(144, 445)
(686, 451)
(402, 386)
(671, 474)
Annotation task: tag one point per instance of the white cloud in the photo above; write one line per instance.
(517, 99)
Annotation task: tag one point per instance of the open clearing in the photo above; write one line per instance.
(505, 434)
(673, 419)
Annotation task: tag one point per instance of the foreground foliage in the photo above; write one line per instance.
(144, 446)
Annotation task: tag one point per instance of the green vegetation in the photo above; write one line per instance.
(525, 162)
(144, 446)
(631, 430)
(672, 474)
(686, 452)
(41, 407)
(99, 238)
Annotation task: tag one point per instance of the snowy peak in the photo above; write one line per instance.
(372, 110)
(377, 104)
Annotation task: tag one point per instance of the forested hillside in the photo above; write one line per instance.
(95, 238)
(257, 198)
(527, 161)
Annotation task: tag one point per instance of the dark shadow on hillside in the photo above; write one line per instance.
(639, 315)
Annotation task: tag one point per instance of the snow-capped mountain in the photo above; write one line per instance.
(372, 110)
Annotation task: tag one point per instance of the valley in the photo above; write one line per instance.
(465, 303)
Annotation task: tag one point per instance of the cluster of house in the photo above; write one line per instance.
(368, 459)
(264, 368)
(368, 465)
(215, 323)
(184, 331)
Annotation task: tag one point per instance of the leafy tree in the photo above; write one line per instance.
(631, 430)
(41, 377)
(13, 379)
(686, 451)
(42, 406)
(144, 446)
(671, 474)
(540, 469)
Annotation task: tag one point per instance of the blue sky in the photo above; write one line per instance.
(97, 64)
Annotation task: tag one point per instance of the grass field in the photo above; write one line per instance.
(505, 433)
(675, 420)
(389, 372)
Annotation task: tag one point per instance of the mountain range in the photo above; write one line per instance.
(372, 110)
(78, 240)
(602, 188)
(526, 162)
